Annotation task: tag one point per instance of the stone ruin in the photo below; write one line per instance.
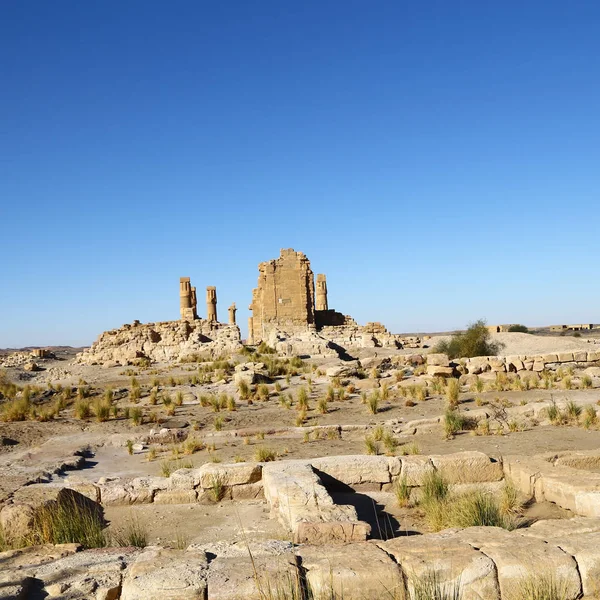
(289, 313)
(169, 340)
(294, 317)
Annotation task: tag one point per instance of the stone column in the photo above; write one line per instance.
(211, 303)
(194, 303)
(232, 311)
(250, 339)
(185, 297)
(321, 295)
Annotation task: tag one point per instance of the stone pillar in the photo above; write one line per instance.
(321, 293)
(232, 311)
(250, 340)
(185, 297)
(194, 303)
(211, 303)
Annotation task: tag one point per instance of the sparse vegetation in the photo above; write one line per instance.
(265, 454)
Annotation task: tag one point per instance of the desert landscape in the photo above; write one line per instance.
(318, 458)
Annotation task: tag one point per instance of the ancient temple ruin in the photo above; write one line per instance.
(286, 305)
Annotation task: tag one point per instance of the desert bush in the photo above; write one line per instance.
(69, 521)
(244, 389)
(132, 533)
(477, 508)
(373, 403)
(82, 408)
(518, 329)
(586, 382)
(322, 406)
(136, 416)
(590, 417)
(572, 411)
(262, 392)
(455, 421)
(264, 454)
(410, 449)
(402, 492)
(452, 392)
(543, 587)
(217, 487)
(15, 410)
(473, 342)
(430, 586)
(371, 445)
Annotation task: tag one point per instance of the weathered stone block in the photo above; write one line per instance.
(162, 574)
(456, 564)
(468, 467)
(361, 570)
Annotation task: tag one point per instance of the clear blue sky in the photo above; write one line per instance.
(438, 160)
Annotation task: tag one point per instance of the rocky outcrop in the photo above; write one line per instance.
(162, 342)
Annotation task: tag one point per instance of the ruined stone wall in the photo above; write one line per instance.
(284, 297)
(166, 341)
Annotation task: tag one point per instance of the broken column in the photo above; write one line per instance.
(321, 293)
(232, 310)
(211, 303)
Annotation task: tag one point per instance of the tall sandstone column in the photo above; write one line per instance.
(250, 339)
(232, 310)
(211, 303)
(321, 293)
(185, 297)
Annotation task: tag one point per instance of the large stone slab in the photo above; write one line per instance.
(353, 571)
(162, 574)
(415, 469)
(519, 558)
(468, 467)
(547, 529)
(254, 577)
(360, 469)
(585, 549)
(453, 563)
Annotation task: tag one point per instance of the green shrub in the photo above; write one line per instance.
(518, 329)
(473, 342)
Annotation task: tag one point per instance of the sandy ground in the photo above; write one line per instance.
(526, 343)
(213, 522)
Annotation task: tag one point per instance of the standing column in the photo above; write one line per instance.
(211, 303)
(185, 297)
(321, 299)
(232, 311)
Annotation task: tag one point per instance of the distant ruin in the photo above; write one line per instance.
(285, 306)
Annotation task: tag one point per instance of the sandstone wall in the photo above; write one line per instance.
(285, 295)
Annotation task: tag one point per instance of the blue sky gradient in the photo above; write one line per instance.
(439, 161)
